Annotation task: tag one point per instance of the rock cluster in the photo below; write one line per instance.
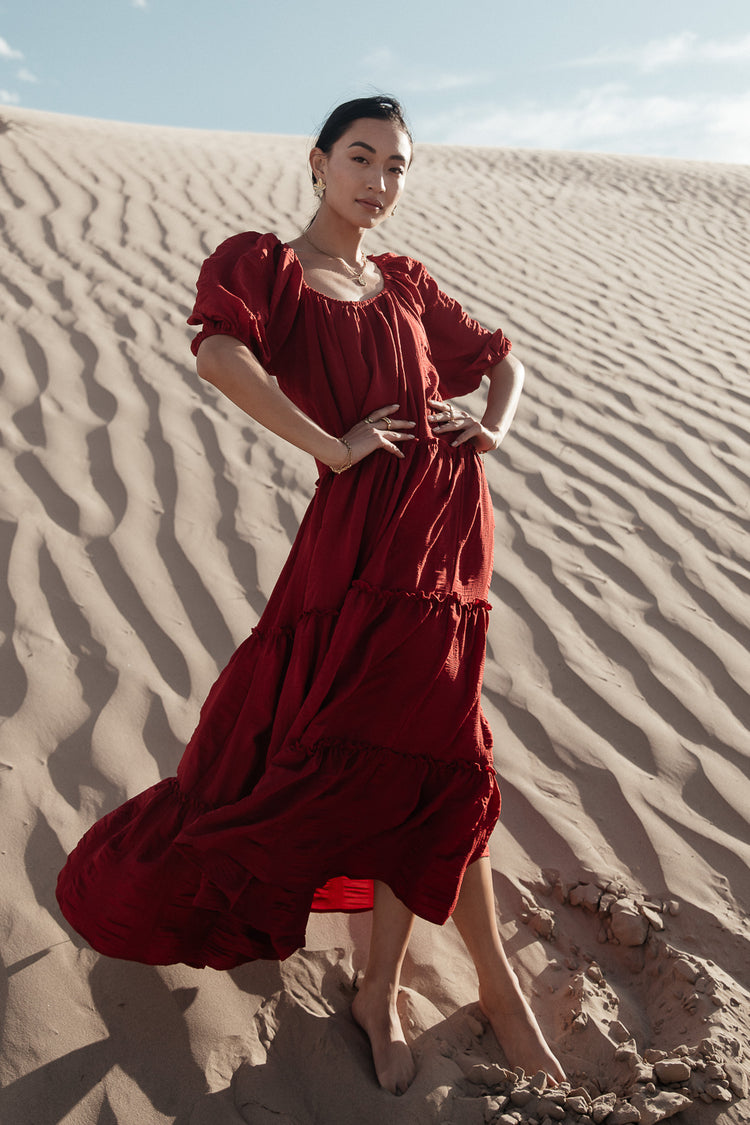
(664, 1083)
(673, 993)
(624, 918)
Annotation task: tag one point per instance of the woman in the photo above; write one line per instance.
(341, 761)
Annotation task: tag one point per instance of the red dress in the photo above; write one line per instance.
(344, 741)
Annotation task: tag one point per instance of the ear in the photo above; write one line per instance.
(318, 161)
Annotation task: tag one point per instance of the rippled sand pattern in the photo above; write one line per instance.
(143, 522)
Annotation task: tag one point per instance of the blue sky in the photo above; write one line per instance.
(654, 77)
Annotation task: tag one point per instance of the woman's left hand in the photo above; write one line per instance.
(447, 419)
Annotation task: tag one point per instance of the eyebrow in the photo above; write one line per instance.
(362, 144)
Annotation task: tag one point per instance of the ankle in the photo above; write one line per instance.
(500, 986)
(378, 991)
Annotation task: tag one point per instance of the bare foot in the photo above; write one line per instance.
(376, 1013)
(518, 1032)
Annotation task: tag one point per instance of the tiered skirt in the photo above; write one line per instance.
(343, 742)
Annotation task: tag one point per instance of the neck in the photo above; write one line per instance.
(336, 237)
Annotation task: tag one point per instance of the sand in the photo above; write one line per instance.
(144, 521)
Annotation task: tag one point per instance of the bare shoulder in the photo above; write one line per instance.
(302, 249)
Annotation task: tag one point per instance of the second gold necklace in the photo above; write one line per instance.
(356, 277)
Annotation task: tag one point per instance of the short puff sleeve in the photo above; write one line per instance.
(248, 289)
(461, 350)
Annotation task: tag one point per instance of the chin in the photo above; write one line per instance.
(367, 219)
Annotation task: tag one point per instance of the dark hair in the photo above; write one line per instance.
(380, 107)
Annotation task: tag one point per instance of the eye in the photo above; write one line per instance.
(398, 170)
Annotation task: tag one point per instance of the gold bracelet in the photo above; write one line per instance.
(348, 462)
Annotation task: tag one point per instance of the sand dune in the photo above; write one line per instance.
(143, 522)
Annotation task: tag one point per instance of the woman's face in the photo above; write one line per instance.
(364, 172)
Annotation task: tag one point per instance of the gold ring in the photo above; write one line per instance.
(368, 419)
(449, 407)
(387, 423)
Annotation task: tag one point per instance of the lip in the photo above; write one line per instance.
(371, 204)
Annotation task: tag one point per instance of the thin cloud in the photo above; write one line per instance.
(608, 118)
(730, 51)
(7, 97)
(8, 52)
(392, 71)
(142, 4)
(674, 50)
(439, 82)
(25, 75)
(730, 121)
(380, 58)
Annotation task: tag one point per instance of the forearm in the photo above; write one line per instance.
(232, 368)
(506, 383)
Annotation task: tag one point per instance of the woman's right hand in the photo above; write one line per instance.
(378, 430)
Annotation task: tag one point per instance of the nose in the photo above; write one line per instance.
(377, 178)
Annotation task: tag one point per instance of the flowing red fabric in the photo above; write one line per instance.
(344, 741)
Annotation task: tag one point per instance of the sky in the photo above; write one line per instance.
(648, 77)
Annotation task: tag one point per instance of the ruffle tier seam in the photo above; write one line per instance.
(473, 605)
(275, 631)
(348, 746)
(470, 604)
(345, 745)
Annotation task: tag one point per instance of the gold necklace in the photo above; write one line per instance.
(356, 277)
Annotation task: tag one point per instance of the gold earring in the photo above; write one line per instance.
(319, 188)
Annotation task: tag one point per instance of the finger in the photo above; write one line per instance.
(404, 430)
(384, 415)
(468, 434)
(383, 411)
(394, 449)
(444, 410)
